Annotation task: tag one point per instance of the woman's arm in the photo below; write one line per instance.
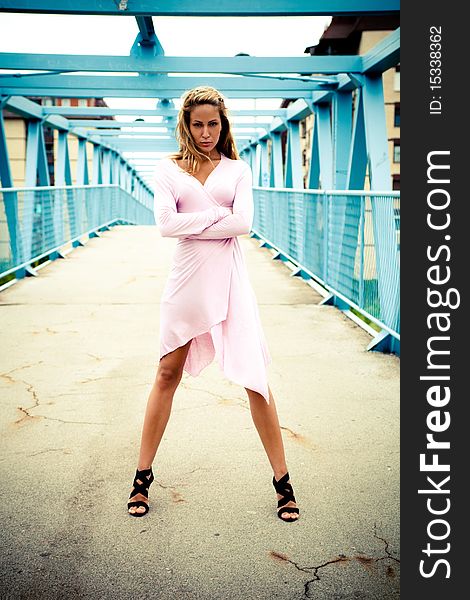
(241, 220)
(170, 222)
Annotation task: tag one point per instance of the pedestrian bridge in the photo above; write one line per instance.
(82, 269)
(80, 355)
(340, 242)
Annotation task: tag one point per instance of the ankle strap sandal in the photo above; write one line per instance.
(142, 482)
(285, 489)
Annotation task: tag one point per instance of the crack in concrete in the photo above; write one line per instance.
(64, 450)
(315, 569)
(220, 399)
(25, 411)
(28, 416)
(11, 379)
(175, 495)
(389, 555)
(365, 561)
(299, 438)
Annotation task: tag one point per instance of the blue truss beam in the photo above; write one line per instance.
(148, 93)
(384, 55)
(135, 125)
(189, 8)
(68, 111)
(236, 65)
(104, 86)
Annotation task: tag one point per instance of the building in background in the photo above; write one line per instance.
(16, 129)
(357, 35)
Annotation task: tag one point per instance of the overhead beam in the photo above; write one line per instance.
(108, 124)
(101, 111)
(74, 83)
(204, 8)
(147, 93)
(236, 65)
(384, 55)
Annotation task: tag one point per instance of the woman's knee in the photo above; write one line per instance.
(167, 377)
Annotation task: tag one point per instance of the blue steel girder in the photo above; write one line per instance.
(63, 175)
(82, 163)
(161, 86)
(96, 173)
(357, 163)
(263, 179)
(341, 129)
(10, 199)
(277, 169)
(387, 258)
(189, 8)
(325, 146)
(90, 123)
(36, 173)
(234, 65)
(101, 111)
(146, 43)
(314, 169)
(293, 171)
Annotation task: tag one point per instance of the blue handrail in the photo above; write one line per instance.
(335, 237)
(36, 222)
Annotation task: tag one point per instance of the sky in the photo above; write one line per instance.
(179, 36)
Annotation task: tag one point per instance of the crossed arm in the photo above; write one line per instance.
(216, 222)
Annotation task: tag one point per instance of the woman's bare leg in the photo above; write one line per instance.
(167, 379)
(267, 424)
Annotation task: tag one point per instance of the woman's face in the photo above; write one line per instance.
(205, 126)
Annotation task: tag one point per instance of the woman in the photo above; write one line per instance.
(203, 196)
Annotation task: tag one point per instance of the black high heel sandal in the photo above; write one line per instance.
(285, 489)
(145, 477)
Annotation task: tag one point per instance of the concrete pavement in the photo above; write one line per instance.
(79, 355)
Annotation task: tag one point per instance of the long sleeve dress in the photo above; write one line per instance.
(208, 297)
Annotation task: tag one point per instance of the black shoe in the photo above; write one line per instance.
(285, 489)
(142, 481)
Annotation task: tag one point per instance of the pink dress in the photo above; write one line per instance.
(208, 297)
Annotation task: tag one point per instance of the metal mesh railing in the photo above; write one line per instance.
(348, 240)
(45, 218)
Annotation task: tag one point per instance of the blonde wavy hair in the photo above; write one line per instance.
(188, 150)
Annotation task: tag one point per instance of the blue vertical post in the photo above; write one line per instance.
(63, 177)
(106, 176)
(325, 146)
(342, 129)
(357, 164)
(314, 170)
(82, 178)
(277, 169)
(293, 175)
(36, 172)
(344, 211)
(10, 200)
(264, 163)
(82, 163)
(382, 210)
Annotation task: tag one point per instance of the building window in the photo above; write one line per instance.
(83, 102)
(396, 117)
(65, 102)
(396, 182)
(396, 151)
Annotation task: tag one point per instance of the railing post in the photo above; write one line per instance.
(10, 199)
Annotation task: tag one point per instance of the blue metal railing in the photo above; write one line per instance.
(349, 241)
(35, 222)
